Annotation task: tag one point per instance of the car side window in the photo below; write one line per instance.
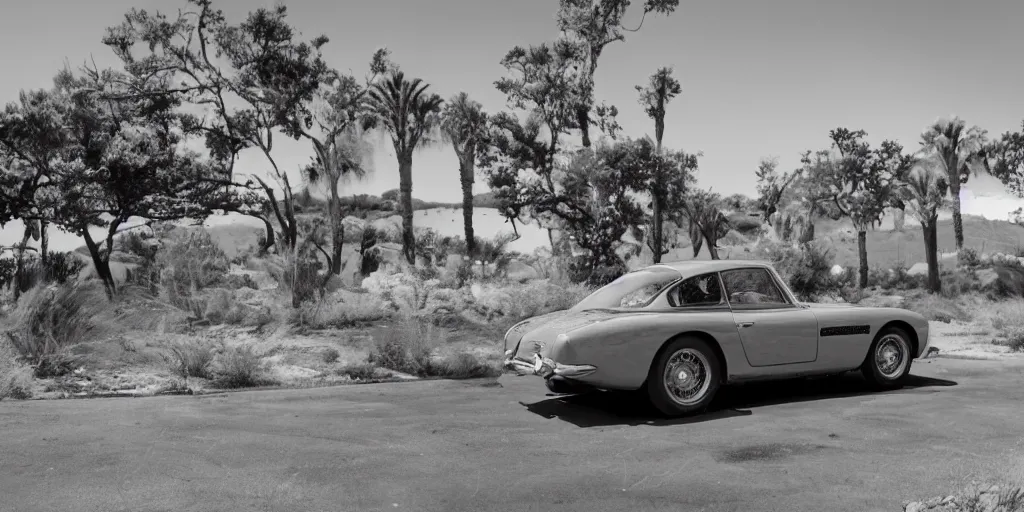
(752, 286)
(703, 290)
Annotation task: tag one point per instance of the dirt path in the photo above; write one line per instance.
(807, 445)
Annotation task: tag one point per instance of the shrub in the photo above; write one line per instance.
(330, 356)
(240, 367)
(339, 315)
(958, 283)
(539, 298)
(968, 257)
(59, 268)
(192, 359)
(188, 263)
(364, 372)
(461, 366)
(16, 383)
(806, 268)
(1007, 319)
(937, 308)
(406, 347)
(49, 320)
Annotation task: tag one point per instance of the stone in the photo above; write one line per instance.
(388, 228)
(350, 269)
(837, 270)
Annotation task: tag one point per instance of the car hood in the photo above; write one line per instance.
(555, 323)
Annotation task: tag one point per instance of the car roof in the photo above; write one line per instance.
(696, 267)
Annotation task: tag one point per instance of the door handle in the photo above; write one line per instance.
(744, 324)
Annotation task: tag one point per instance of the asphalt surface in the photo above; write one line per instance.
(478, 445)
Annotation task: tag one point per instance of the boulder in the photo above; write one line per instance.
(354, 227)
(837, 270)
(350, 269)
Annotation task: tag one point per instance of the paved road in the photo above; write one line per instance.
(811, 445)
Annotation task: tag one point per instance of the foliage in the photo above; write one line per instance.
(406, 347)
(49, 320)
(1008, 155)
(403, 108)
(241, 367)
(339, 315)
(267, 85)
(188, 263)
(707, 223)
(924, 193)
(192, 358)
(660, 90)
(771, 186)
(16, 382)
(590, 26)
(464, 123)
(806, 268)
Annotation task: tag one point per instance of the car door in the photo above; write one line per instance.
(773, 330)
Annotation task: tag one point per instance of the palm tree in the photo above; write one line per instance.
(659, 91)
(464, 124)
(924, 193)
(959, 152)
(404, 109)
(349, 155)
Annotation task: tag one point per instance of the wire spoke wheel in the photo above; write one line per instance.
(687, 376)
(891, 356)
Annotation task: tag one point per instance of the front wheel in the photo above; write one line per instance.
(888, 362)
(684, 378)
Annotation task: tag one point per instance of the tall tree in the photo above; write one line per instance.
(959, 152)
(595, 24)
(863, 181)
(249, 81)
(707, 223)
(464, 123)
(661, 88)
(924, 193)
(410, 115)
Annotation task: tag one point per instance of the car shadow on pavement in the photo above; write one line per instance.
(607, 408)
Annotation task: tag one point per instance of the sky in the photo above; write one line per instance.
(760, 78)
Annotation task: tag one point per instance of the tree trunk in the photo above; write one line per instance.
(958, 222)
(466, 175)
(405, 193)
(712, 249)
(19, 267)
(657, 241)
(271, 237)
(44, 241)
(931, 242)
(862, 250)
(102, 265)
(337, 229)
(583, 119)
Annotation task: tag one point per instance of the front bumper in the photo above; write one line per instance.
(545, 367)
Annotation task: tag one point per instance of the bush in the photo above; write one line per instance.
(968, 257)
(192, 359)
(49, 320)
(240, 367)
(406, 347)
(339, 315)
(60, 268)
(1007, 319)
(461, 366)
(364, 372)
(188, 263)
(330, 356)
(16, 383)
(937, 308)
(807, 268)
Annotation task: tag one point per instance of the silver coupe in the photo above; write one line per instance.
(679, 331)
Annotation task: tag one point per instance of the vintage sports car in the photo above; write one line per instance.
(679, 331)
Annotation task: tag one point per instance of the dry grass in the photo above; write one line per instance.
(1007, 320)
(939, 308)
(338, 315)
(541, 297)
(408, 348)
(192, 359)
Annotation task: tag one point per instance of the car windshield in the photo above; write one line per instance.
(632, 290)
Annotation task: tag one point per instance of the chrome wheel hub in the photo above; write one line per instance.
(687, 376)
(891, 356)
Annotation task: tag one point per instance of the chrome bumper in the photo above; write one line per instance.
(545, 367)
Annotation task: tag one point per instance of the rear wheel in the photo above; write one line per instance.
(888, 362)
(684, 378)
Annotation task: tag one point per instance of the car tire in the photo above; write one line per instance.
(672, 372)
(888, 362)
